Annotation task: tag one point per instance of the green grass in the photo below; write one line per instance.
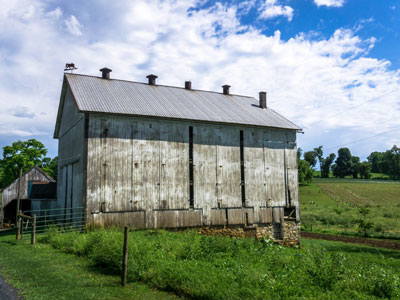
(339, 211)
(42, 272)
(209, 267)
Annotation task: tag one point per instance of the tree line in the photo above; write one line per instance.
(24, 155)
(387, 162)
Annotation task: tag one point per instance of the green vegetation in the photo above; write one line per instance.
(209, 267)
(25, 155)
(351, 207)
(42, 272)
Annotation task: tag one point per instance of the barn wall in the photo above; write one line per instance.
(138, 173)
(70, 155)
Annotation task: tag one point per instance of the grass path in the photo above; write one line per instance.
(41, 272)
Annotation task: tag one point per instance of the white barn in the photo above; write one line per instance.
(154, 156)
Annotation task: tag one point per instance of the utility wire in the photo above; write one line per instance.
(363, 139)
(355, 106)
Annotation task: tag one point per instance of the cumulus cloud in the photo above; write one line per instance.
(323, 85)
(272, 9)
(329, 3)
(73, 26)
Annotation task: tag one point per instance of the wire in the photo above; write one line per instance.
(363, 139)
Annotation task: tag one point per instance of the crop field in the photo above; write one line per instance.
(338, 207)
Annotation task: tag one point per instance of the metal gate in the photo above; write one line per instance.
(65, 219)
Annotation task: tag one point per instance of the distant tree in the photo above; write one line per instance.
(365, 170)
(355, 166)
(390, 163)
(375, 159)
(311, 158)
(319, 154)
(50, 166)
(343, 163)
(305, 171)
(21, 154)
(326, 165)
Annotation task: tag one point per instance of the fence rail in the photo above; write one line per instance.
(68, 219)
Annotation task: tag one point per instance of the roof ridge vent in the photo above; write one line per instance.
(225, 89)
(105, 73)
(152, 79)
(263, 99)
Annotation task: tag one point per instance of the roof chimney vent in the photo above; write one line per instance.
(152, 79)
(225, 89)
(105, 73)
(263, 99)
(188, 85)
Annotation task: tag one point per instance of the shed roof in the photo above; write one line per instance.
(95, 94)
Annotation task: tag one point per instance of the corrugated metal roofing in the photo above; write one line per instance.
(94, 94)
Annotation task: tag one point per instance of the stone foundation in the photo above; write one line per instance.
(290, 234)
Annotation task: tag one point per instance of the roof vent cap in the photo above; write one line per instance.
(105, 73)
(188, 85)
(152, 79)
(225, 89)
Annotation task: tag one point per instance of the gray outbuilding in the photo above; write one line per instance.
(154, 156)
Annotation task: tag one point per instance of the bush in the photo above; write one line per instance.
(210, 267)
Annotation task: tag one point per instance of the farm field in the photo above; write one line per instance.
(334, 207)
(208, 267)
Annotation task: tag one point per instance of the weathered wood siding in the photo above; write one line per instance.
(11, 192)
(138, 173)
(70, 155)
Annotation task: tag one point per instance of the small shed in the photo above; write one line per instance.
(10, 193)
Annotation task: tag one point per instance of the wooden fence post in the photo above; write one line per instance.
(125, 257)
(19, 225)
(33, 233)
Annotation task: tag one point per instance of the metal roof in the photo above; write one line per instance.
(94, 94)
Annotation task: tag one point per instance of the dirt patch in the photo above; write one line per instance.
(387, 244)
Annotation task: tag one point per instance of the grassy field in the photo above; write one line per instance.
(207, 267)
(334, 207)
(42, 272)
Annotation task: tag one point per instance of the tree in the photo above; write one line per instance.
(326, 165)
(305, 171)
(355, 166)
(50, 166)
(311, 158)
(343, 163)
(21, 154)
(319, 154)
(365, 170)
(375, 159)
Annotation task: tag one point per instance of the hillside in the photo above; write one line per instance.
(334, 207)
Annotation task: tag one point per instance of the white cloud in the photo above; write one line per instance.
(322, 85)
(73, 26)
(272, 9)
(330, 3)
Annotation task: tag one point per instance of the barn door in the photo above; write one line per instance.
(291, 167)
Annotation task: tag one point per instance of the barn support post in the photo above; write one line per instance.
(125, 257)
(33, 232)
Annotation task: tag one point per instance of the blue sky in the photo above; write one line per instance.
(330, 66)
